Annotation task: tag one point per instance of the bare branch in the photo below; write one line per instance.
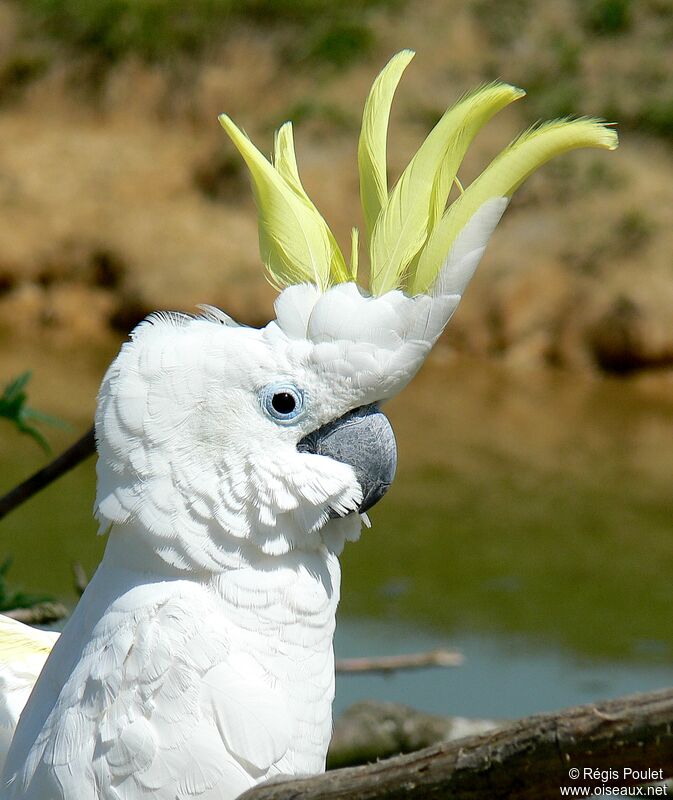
(385, 664)
(529, 759)
(74, 455)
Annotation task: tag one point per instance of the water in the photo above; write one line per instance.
(529, 527)
(503, 676)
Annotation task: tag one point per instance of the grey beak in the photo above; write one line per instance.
(364, 439)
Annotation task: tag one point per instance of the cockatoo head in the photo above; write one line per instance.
(215, 437)
(244, 434)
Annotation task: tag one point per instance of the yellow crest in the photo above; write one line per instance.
(409, 229)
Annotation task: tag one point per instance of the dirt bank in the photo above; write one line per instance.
(120, 195)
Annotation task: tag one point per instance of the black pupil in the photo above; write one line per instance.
(283, 402)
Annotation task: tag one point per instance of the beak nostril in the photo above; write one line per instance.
(364, 439)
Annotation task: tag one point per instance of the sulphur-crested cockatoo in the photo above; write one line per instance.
(233, 465)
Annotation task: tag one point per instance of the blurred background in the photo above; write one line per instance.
(530, 524)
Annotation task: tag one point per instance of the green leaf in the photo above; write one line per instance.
(14, 407)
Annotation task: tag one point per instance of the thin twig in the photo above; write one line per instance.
(73, 456)
(385, 664)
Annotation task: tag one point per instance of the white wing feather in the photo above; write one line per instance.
(170, 698)
(23, 651)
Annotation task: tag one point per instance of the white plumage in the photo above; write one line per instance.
(199, 660)
(23, 651)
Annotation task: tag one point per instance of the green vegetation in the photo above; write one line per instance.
(115, 28)
(559, 64)
(559, 59)
(607, 17)
(157, 30)
(14, 407)
(656, 117)
(341, 43)
(15, 598)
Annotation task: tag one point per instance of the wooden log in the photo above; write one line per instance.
(527, 760)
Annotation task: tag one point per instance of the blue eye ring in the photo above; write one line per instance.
(283, 402)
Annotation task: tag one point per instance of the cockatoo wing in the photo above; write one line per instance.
(23, 651)
(157, 703)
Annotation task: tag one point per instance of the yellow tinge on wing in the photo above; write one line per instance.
(19, 642)
(409, 231)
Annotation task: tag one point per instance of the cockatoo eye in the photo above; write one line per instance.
(283, 402)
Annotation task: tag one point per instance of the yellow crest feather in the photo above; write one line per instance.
(285, 162)
(404, 221)
(372, 160)
(294, 240)
(501, 178)
(285, 158)
(355, 247)
(409, 231)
